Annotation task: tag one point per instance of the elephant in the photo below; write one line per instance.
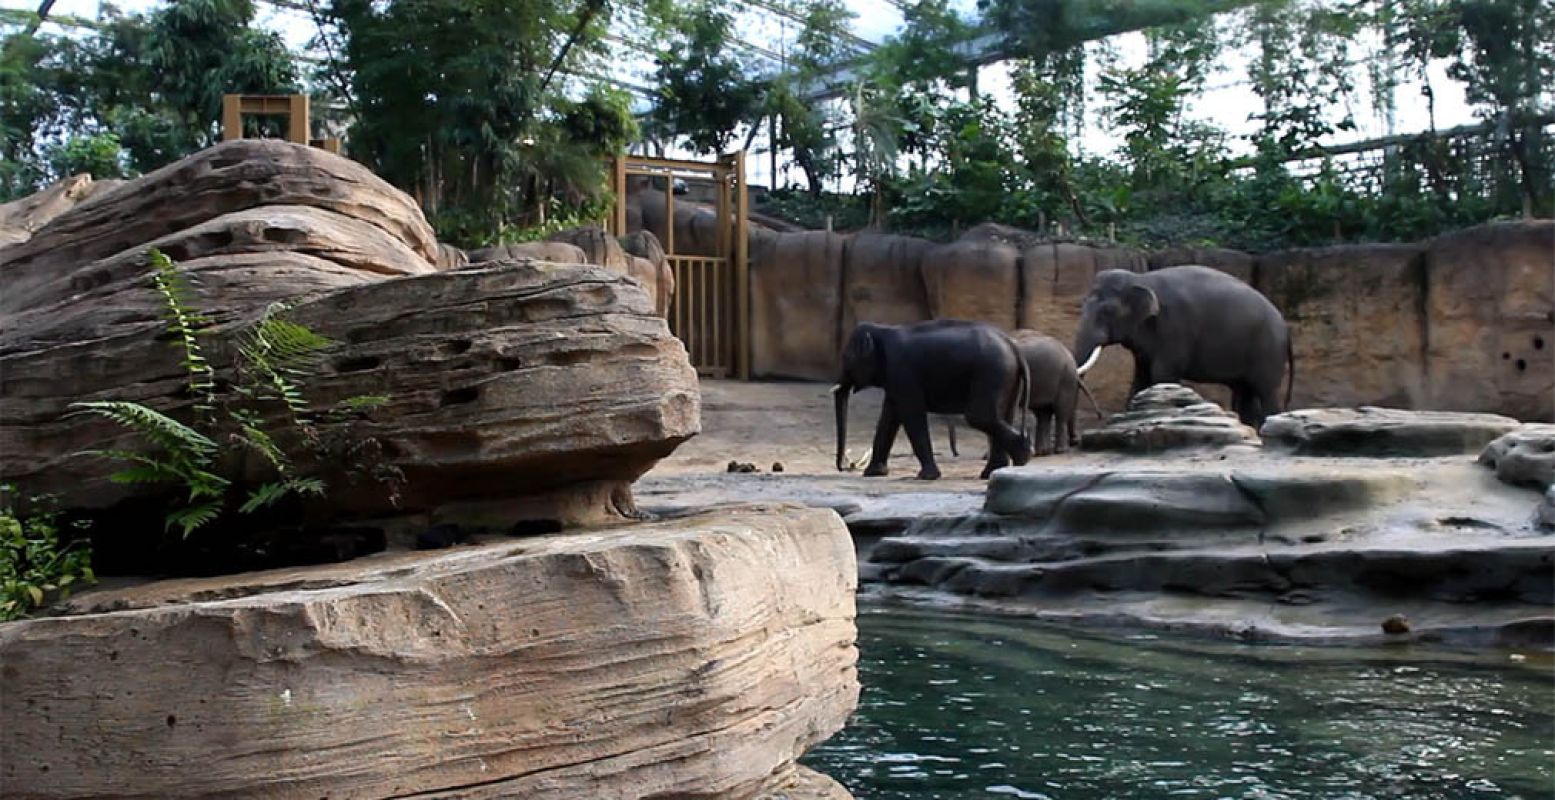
(937, 367)
(1055, 392)
(1191, 323)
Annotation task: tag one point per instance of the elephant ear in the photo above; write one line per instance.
(1142, 302)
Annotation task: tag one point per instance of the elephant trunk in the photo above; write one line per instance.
(1087, 348)
(840, 394)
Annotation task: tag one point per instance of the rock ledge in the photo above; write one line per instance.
(698, 657)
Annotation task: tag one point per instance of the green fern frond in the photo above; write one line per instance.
(160, 429)
(184, 322)
(265, 495)
(193, 517)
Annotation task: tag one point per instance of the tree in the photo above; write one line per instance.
(151, 81)
(458, 103)
(704, 91)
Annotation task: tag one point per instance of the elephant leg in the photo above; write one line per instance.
(1063, 423)
(950, 430)
(997, 459)
(1044, 441)
(917, 425)
(885, 436)
(1142, 377)
(1004, 442)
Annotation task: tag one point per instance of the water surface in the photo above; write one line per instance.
(989, 707)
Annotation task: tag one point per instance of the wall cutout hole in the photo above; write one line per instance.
(171, 720)
(1506, 356)
(358, 364)
(457, 397)
(457, 347)
(1521, 365)
(1538, 342)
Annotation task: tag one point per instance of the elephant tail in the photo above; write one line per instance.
(1024, 401)
(1290, 368)
(1092, 398)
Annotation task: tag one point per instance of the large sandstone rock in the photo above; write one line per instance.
(1368, 431)
(231, 176)
(541, 388)
(1355, 324)
(974, 280)
(554, 252)
(1490, 307)
(20, 219)
(1524, 457)
(795, 304)
(1167, 416)
(693, 658)
(1546, 512)
(519, 380)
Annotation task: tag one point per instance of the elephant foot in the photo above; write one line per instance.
(876, 471)
(928, 474)
(1043, 451)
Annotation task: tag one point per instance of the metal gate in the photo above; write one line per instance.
(710, 310)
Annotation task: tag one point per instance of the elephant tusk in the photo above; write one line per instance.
(1091, 361)
(836, 387)
(861, 460)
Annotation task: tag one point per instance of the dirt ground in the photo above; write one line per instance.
(791, 423)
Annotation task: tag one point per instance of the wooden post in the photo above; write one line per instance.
(741, 270)
(669, 211)
(723, 295)
(297, 119)
(618, 185)
(231, 117)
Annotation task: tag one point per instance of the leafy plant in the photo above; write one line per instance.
(273, 358)
(34, 563)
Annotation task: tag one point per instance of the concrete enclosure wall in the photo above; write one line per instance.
(1465, 321)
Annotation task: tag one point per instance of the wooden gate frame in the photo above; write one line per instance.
(295, 107)
(733, 241)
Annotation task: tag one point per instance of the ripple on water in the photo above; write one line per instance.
(1070, 716)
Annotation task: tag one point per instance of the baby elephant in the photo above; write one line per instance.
(1055, 388)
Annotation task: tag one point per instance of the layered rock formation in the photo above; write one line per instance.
(548, 386)
(1168, 417)
(693, 658)
(1368, 431)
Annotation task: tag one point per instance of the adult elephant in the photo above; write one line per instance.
(1055, 392)
(939, 367)
(1191, 323)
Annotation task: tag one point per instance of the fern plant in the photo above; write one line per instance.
(274, 356)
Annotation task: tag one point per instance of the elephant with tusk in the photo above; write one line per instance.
(1191, 323)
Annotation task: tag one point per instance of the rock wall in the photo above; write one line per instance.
(693, 658)
(1465, 321)
(547, 387)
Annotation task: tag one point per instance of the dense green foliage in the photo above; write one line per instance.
(917, 148)
(262, 411)
(466, 105)
(34, 562)
(461, 103)
(142, 91)
(480, 111)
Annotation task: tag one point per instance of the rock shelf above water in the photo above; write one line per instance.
(1369, 431)
(693, 658)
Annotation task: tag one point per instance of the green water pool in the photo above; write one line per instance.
(957, 706)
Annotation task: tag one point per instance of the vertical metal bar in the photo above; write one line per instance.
(741, 270)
